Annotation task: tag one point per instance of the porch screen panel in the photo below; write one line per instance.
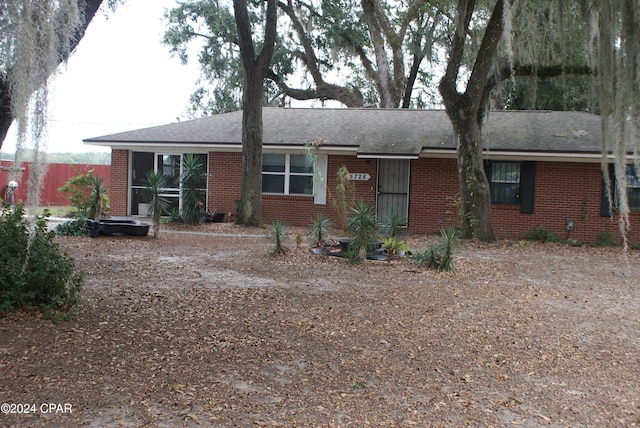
(393, 189)
(141, 164)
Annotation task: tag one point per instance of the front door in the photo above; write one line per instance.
(393, 190)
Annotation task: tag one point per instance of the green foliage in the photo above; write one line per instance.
(158, 205)
(604, 239)
(87, 194)
(393, 246)
(193, 182)
(277, 234)
(440, 254)
(175, 216)
(363, 228)
(35, 274)
(98, 199)
(635, 246)
(320, 228)
(541, 234)
(75, 227)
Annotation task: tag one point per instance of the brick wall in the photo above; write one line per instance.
(119, 182)
(563, 190)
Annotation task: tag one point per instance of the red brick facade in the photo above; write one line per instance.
(119, 182)
(563, 190)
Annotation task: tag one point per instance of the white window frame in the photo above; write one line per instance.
(287, 176)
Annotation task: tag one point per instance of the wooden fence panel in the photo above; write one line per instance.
(56, 176)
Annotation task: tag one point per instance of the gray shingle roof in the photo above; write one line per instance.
(379, 131)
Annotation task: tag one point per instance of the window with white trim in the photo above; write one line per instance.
(287, 174)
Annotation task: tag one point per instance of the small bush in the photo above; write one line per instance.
(635, 246)
(440, 254)
(604, 239)
(87, 194)
(541, 234)
(75, 227)
(35, 274)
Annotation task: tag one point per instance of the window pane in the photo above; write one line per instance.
(505, 182)
(273, 163)
(301, 185)
(202, 158)
(141, 164)
(169, 166)
(272, 183)
(301, 164)
(633, 187)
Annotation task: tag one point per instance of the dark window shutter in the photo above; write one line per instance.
(487, 172)
(604, 199)
(527, 186)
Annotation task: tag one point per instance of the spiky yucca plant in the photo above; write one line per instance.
(277, 234)
(363, 227)
(158, 205)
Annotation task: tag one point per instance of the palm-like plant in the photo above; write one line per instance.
(277, 235)
(193, 181)
(98, 198)
(158, 205)
(320, 228)
(364, 229)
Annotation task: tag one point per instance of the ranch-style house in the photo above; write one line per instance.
(544, 167)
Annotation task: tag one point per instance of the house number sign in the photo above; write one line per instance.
(355, 176)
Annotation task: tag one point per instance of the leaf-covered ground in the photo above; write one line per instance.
(199, 328)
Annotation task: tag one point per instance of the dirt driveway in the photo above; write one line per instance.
(201, 329)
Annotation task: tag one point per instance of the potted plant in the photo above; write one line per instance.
(393, 246)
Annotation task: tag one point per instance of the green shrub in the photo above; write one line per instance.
(635, 246)
(363, 228)
(36, 274)
(604, 239)
(75, 227)
(193, 181)
(87, 194)
(440, 254)
(541, 234)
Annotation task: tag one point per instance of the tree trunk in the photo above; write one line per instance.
(475, 194)
(255, 68)
(467, 112)
(250, 208)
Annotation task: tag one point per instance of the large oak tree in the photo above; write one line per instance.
(255, 67)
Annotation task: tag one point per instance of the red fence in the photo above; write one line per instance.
(56, 176)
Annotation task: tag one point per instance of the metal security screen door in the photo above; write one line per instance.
(393, 190)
